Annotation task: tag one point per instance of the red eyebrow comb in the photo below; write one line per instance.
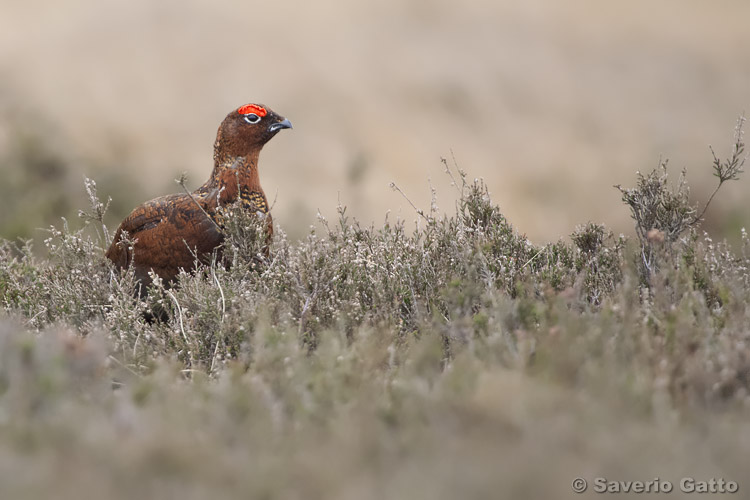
(252, 108)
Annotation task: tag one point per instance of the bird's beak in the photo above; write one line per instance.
(280, 125)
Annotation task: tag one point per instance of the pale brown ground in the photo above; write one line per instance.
(551, 102)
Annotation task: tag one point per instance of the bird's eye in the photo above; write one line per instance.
(252, 118)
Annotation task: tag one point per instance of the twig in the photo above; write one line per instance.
(729, 170)
(420, 212)
(135, 344)
(221, 291)
(182, 326)
(705, 207)
(531, 259)
(213, 358)
(181, 182)
(448, 171)
(124, 366)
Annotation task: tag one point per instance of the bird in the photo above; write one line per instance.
(169, 233)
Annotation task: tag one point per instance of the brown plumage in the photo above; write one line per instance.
(168, 232)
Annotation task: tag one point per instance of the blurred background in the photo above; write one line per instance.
(552, 103)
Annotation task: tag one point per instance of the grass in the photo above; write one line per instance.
(455, 360)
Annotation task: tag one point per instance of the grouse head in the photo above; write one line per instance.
(246, 129)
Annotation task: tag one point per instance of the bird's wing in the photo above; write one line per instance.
(165, 233)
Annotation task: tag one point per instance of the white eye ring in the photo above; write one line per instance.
(252, 118)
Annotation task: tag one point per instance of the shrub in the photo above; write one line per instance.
(367, 358)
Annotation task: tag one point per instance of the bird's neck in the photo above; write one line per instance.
(233, 175)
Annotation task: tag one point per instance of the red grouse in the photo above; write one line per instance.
(166, 234)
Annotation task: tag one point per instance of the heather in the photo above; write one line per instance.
(442, 357)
